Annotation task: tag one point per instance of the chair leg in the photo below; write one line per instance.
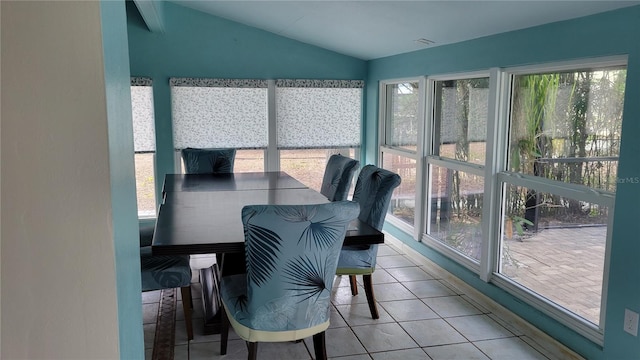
(320, 347)
(253, 350)
(186, 307)
(224, 330)
(354, 285)
(371, 298)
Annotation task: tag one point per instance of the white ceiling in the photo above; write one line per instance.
(370, 29)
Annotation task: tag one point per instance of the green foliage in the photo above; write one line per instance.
(565, 126)
(518, 223)
(537, 102)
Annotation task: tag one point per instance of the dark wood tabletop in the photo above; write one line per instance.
(201, 214)
(203, 222)
(230, 182)
(235, 200)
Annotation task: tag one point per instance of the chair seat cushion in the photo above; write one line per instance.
(163, 272)
(274, 322)
(357, 260)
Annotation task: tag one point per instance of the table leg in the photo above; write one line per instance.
(210, 280)
(227, 264)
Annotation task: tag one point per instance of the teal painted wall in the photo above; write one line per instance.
(199, 45)
(611, 33)
(123, 187)
(195, 44)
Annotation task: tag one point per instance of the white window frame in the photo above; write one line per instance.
(471, 168)
(417, 155)
(587, 329)
(271, 152)
(495, 177)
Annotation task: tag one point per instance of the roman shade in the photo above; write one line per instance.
(144, 135)
(219, 113)
(318, 113)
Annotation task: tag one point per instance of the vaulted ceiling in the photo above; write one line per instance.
(370, 29)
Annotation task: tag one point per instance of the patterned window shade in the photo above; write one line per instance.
(318, 113)
(219, 113)
(144, 134)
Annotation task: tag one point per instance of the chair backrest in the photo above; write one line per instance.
(338, 176)
(373, 192)
(291, 256)
(146, 233)
(208, 161)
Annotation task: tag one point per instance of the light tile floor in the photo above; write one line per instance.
(422, 316)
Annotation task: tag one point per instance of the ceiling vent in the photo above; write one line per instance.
(423, 41)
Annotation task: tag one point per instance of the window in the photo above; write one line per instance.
(403, 204)
(307, 165)
(519, 179)
(288, 125)
(460, 126)
(401, 114)
(456, 166)
(566, 126)
(316, 119)
(144, 141)
(559, 183)
(221, 113)
(403, 102)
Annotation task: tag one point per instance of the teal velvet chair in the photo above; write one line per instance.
(338, 175)
(208, 161)
(165, 272)
(291, 254)
(373, 192)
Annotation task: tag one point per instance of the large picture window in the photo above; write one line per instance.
(558, 188)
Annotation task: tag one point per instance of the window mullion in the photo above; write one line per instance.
(494, 162)
(419, 218)
(272, 156)
(383, 111)
(568, 190)
(474, 169)
(427, 150)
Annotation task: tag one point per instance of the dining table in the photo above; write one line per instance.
(201, 214)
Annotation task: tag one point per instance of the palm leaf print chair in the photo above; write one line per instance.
(373, 192)
(208, 161)
(337, 177)
(291, 254)
(165, 272)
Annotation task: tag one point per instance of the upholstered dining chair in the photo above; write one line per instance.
(373, 192)
(337, 178)
(165, 272)
(208, 161)
(291, 254)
